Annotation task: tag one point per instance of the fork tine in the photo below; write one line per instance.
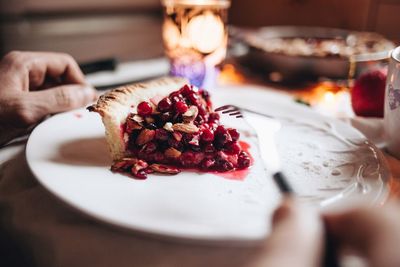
(223, 108)
(229, 111)
(235, 113)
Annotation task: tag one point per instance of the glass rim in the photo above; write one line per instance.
(396, 54)
(218, 3)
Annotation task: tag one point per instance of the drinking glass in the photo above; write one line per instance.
(392, 105)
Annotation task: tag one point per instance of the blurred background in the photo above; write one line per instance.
(131, 29)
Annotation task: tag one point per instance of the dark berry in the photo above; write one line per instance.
(144, 109)
(198, 157)
(181, 107)
(207, 164)
(234, 134)
(164, 105)
(149, 148)
(193, 98)
(158, 157)
(243, 160)
(165, 117)
(214, 117)
(187, 159)
(225, 165)
(209, 148)
(220, 130)
(175, 144)
(186, 90)
(233, 148)
(195, 148)
(207, 135)
(205, 94)
(161, 135)
(142, 174)
(176, 97)
(151, 126)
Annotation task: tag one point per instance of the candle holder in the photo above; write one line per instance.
(195, 38)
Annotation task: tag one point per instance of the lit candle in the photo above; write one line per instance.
(195, 38)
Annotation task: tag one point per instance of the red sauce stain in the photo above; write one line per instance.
(238, 175)
(78, 115)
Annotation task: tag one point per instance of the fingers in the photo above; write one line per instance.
(296, 238)
(39, 104)
(30, 70)
(374, 232)
(57, 66)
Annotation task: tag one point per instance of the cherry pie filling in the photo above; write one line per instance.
(179, 132)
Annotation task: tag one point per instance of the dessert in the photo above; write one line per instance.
(164, 126)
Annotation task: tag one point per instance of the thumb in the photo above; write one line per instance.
(61, 98)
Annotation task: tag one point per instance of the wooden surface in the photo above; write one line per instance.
(366, 15)
(65, 6)
(131, 29)
(125, 36)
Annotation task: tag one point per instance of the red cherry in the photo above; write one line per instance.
(209, 148)
(220, 130)
(144, 109)
(187, 158)
(181, 107)
(234, 134)
(164, 105)
(193, 98)
(186, 89)
(214, 117)
(233, 148)
(243, 160)
(207, 135)
(207, 164)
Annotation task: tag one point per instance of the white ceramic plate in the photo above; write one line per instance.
(327, 163)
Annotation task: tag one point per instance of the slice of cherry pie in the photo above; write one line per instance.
(164, 126)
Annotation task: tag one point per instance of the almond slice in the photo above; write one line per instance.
(172, 153)
(191, 114)
(145, 136)
(160, 168)
(185, 127)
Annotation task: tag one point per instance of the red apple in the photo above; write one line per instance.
(368, 94)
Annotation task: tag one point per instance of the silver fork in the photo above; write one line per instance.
(270, 157)
(236, 111)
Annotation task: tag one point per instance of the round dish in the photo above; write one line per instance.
(321, 157)
(309, 64)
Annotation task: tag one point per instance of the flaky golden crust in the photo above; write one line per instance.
(123, 94)
(115, 105)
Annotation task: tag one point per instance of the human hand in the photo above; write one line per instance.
(371, 232)
(296, 238)
(37, 84)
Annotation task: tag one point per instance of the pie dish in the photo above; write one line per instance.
(166, 125)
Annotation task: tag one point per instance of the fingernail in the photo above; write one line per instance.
(90, 93)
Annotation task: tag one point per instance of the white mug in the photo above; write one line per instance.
(392, 105)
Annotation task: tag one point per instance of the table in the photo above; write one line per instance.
(39, 230)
